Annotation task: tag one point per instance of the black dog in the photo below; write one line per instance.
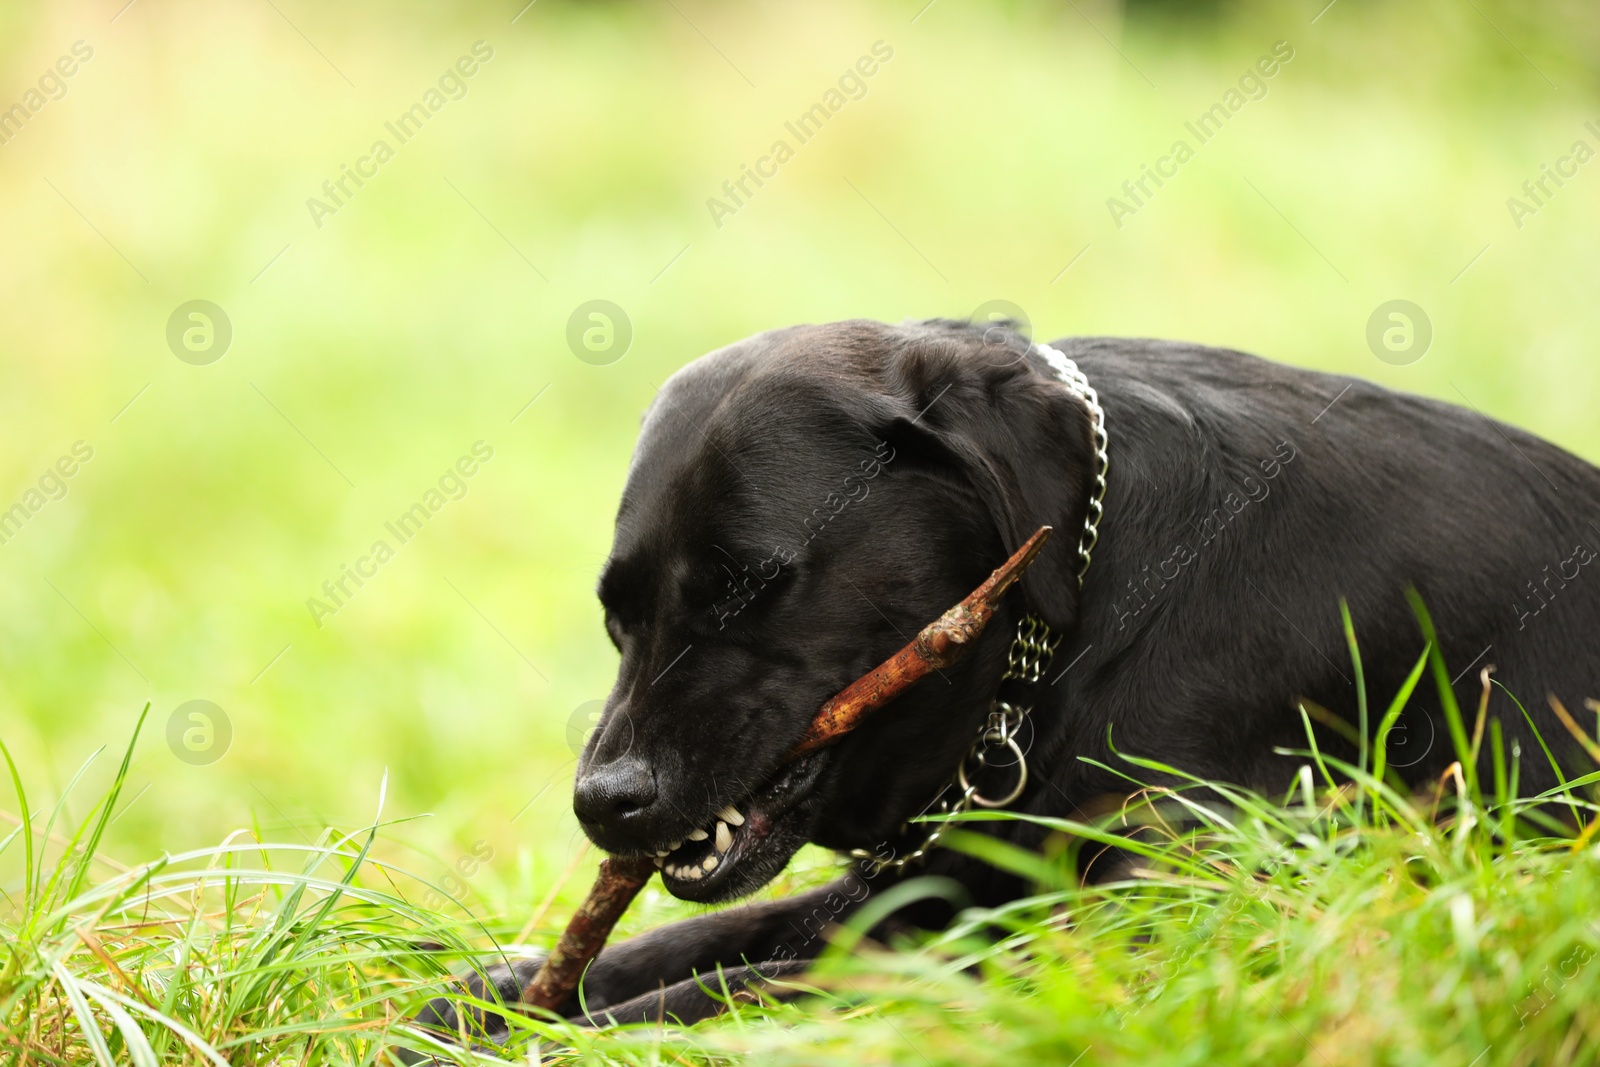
(802, 502)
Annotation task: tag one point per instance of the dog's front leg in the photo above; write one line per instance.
(660, 973)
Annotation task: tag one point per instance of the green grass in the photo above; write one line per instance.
(179, 563)
(1348, 921)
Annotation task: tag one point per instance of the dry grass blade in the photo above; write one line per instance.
(1574, 729)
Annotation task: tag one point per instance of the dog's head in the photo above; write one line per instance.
(799, 505)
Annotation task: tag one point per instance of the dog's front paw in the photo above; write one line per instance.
(448, 1019)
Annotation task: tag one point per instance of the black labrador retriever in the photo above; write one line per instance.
(802, 502)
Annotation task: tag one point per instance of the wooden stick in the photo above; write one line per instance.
(940, 644)
(620, 879)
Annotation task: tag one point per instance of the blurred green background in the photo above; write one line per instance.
(371, 351)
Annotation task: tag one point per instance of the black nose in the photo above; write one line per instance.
(615, 794)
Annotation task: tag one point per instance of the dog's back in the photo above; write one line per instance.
(1250, 497)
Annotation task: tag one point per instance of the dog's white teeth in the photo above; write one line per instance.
(730, 814)
(710, 862)
(698, 834)
(724, 837)
(658, 861)
(675, 846)
(693, 874)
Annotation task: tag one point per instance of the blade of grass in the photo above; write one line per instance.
(26, 828)
(1391, 715)
(1573, 728)
(108, 998)
(1003, 855)
(106, 809)
(1361, 694)
(133, 1039)
(1447, 694)
(88, 1025)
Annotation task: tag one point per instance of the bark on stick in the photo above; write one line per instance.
(619, 881)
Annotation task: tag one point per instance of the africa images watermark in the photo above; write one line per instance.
(599, 332)
(452, 85)
(1252, 86)
(51, 486)
(199, 732)
(852, 85)
(743, 586)
(1552, 983)
(1566, 572)
(1150, 585)
(199, 332)
(852, 889)
(1538, 191)
(453, 883)
(52, 86)
(1399, 332)
(452, 485)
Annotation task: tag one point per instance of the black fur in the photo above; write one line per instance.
(801, 502)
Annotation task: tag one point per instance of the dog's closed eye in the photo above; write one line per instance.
(623, 594)
(614, 631)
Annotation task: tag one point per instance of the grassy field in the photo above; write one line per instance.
(1338, 924)
(384, 331)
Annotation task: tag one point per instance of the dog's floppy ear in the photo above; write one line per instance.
(984, 409)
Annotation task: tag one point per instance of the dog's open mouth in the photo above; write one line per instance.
(742, 846)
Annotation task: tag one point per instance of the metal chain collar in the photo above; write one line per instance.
(1032, 649)
(1078, 385)
(1031, 652)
